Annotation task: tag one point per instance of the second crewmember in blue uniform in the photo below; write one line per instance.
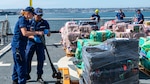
(37, 24)
(120, 15)
(18, 45)
(140, 17)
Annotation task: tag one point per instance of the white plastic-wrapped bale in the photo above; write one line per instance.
(85, 31)
(92, 23)
(109, 24)
(129, 35)
(120, 27)
(136, 27)
(71, 41)
(113, 62)
(72, 28)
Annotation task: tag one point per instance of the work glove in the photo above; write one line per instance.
(37, 39)
(46, 31)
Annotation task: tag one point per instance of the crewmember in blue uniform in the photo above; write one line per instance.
(37, 24)
(140, 17)
(95, 16)
(120, 15)
(18, 45)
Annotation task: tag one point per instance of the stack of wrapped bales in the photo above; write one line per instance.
(78, 53)
(126, 30)
(114, 61)
(96, 37)
(136, 31)
(120, 29)
(70, 33)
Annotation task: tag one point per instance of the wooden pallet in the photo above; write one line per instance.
(144, 70)
(66, 76)
(64, 49)
(74, 81)
(69, 54)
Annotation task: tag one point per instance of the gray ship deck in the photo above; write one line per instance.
(58, 58)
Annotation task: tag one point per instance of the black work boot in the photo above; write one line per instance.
(40, 79)
(28, 77)
(15, 82)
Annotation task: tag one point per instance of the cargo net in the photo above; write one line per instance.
(115, 61)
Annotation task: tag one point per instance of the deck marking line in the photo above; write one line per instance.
(34, 63)
(64, 62)
(5, 49)
(4, 64)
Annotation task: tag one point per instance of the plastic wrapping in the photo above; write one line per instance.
(85, 31)
(112, 61)
(73, 28)
(73, 36)
(144, 46)
(129, 35)
(80, 44)
(101, 36)
(120, 27)
(109, 24)
(136, 27)
(145, 62)
(147, 24)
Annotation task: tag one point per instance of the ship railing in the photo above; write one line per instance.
(4, 27)
(57, 23)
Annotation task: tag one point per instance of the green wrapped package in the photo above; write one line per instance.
(148, 55)
(80, 66)
(146, 46)
(81, 43)
(78, 54)
(142, 40)
(101, 36)
(145, 62)
(91, 43)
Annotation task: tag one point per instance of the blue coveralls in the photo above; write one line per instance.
(18, 44)
(96, 17)
(120, 16)
(140, 17)
(32, 46)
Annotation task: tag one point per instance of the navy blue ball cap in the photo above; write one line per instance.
(38, 11)
(138, 10)
(29, 9)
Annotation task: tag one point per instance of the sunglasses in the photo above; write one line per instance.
(39, 15)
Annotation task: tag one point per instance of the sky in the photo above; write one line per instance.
(17, 4)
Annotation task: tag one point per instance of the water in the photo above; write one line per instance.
(57, 24)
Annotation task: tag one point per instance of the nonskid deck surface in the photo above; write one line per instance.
(58, 58)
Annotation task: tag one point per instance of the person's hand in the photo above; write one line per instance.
(46, 31)
(37, 39)
(49, 34)
(39, 33)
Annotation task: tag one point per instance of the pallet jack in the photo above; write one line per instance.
(62, 74)
(56, 74)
